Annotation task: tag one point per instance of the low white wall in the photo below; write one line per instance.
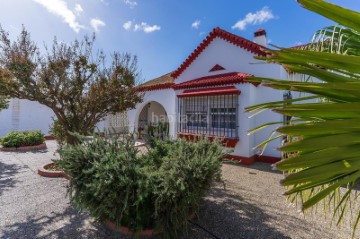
(25, 115)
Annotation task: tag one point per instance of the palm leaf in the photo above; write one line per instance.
(322, 151)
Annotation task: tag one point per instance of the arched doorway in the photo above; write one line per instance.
(153, 120)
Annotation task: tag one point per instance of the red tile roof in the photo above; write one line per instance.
(215, 80)
(160, 83)
(227, 36)
(228, 90)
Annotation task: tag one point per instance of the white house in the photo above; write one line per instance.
(208, 93)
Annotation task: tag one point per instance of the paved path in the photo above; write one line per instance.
(252, 206)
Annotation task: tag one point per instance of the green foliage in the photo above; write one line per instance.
(160, 189)
(26, 138)
(4, 102)
(159, 131)
(58, 131)
(75, 80)
(322, 147)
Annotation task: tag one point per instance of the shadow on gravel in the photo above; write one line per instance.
(229, 216)
(265, 167)
(69, 224)
(43, 151)
(7, 171)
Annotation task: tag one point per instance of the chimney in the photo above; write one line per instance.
(260, 37)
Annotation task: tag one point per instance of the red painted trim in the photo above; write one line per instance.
(267, 159)
(215, 80)
(252, 159)
(243, 160)
(230, 90)
(156, 87)
(227, 36)
(217, 67)
(226, 142)
(24, 148)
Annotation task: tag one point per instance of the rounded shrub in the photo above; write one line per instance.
(160, 189)
(26, 138)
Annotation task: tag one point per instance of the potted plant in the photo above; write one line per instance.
(141, 193)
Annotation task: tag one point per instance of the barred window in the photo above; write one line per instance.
(118, 122)
(209, 115)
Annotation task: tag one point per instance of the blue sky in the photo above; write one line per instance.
(162, 33)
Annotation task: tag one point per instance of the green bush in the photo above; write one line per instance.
(58, 131)
(26, 138)
(113, 181)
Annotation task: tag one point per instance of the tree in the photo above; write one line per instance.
(78, 84)
(322, 161)
(4, 102)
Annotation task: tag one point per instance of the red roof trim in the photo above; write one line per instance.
(215, 80)
(227, 36)
(156, 87)
(217, 67)
(230, 90)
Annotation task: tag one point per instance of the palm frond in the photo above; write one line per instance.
(321, 154)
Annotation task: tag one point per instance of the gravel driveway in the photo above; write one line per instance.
(252, 206)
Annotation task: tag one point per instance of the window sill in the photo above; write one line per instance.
(226, 142)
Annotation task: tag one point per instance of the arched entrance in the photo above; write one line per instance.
(153, 120)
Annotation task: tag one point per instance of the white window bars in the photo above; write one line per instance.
(209, 115)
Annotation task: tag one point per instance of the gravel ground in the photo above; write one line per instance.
(251, 206)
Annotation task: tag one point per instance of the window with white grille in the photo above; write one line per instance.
(118, 122)
(209, 115)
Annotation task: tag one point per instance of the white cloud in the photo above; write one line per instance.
(127, 25)
(196, 24)
(145, 27)
(259, 17)
(60, 8)
(131, 3)
(78, 9)
(96, 23)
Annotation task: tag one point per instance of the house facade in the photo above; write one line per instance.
(208, 93)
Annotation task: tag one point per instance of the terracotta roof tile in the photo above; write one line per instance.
(162, 82)
(215, 80)
(227, 36)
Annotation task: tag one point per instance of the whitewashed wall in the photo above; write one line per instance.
(229, 56)
(164, 97)
(236, 59)
(25, 115)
